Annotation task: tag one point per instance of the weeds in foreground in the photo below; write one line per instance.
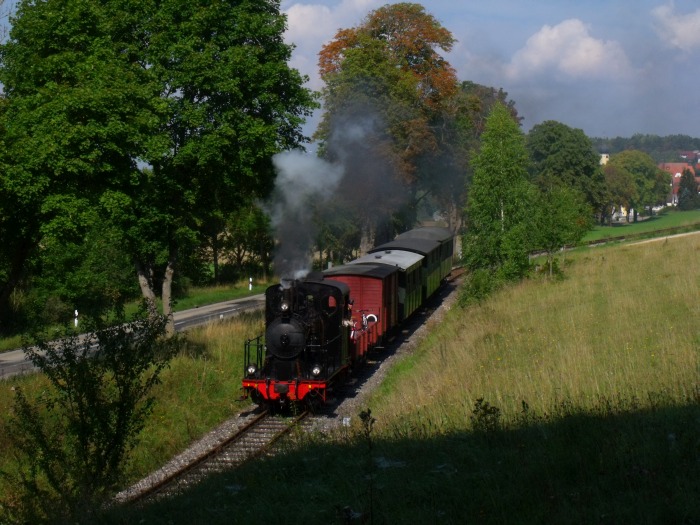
(485, 417)
(368, 422)
(346, 514)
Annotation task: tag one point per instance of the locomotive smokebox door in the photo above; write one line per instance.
(285, 338)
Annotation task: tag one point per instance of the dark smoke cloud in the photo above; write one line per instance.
(358, 178)
(371, 189)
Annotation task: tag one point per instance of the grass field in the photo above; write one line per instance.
(671, 218)
(555, 401)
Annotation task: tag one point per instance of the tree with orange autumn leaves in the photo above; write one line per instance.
(409, 37)
(388, 94)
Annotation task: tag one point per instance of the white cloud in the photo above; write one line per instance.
(311, 25)
(314, 24)
(677, 30)
(569, 50)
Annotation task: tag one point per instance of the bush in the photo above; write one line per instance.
(74, 436)
(477, 286)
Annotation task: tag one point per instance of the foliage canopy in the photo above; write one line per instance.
(565, 156)
(155, 113)
(387, 82)
(498, 237)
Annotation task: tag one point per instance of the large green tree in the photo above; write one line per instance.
(498, 236)
(562, 155)
(73, 116)
(155, 111)
(621, 190)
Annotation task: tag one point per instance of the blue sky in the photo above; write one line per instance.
(609, 67)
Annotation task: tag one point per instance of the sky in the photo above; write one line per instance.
(609, 67)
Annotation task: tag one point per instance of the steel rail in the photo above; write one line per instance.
(222, 456)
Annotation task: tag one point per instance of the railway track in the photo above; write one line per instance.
(258, 436)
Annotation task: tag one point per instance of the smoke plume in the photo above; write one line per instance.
(303, 183)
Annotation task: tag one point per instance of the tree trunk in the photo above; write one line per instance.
(145, 276)
(368, 236)
(454, 217)
(168, 293)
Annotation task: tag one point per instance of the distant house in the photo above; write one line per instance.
(676, 170)
(690, 156)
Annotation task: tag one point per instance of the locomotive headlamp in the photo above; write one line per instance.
(316, 370)
(252, 369)
(284, 306)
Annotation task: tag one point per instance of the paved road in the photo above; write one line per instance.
(657, 239)
(14, 362)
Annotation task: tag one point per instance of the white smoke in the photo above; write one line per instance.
(303, 181)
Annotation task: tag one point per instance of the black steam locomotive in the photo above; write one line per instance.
(306, 341)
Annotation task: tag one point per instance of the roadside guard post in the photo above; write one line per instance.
(250, 284)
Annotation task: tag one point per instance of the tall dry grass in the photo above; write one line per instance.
(622, 324)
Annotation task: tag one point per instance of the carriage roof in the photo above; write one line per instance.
(434, 233)
(401, 259)
(417, 245)
(376, 270)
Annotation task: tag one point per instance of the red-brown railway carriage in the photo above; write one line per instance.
(319, 327)
(375, 308)
(410, 277)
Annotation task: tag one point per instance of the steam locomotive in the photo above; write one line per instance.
(317, 329)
